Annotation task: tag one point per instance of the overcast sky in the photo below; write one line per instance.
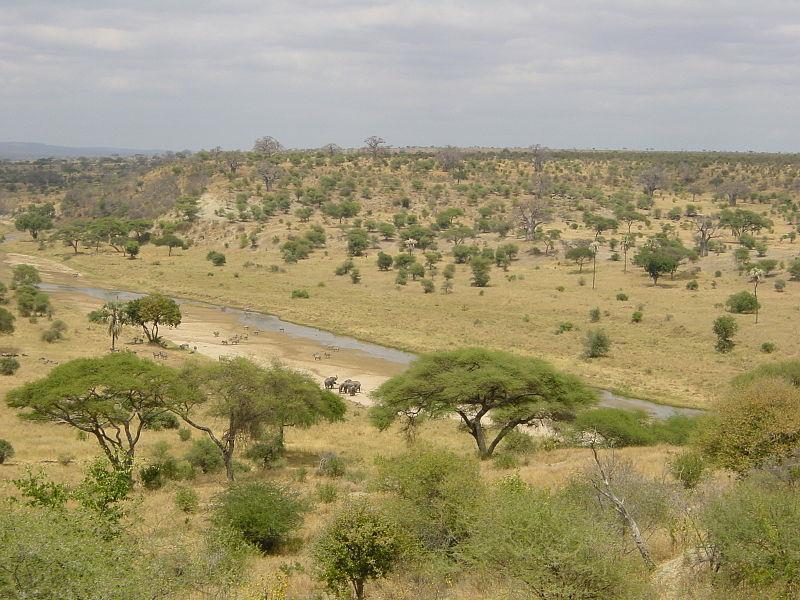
(668, 74)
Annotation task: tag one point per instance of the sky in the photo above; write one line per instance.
(168, 74)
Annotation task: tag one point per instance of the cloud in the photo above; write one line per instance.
(635, 73)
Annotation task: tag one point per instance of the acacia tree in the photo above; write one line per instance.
(170, 240)
(35, 219)
(375, 145)
(112, 398)
(150, 312)
(249, 400)
(706, 229)
(480, 385)
(267, 145)
(652, 179)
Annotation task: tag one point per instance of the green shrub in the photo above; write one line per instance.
(725, 327)
(152, 477)
(622, 297)
(594, 314)
(6, 321)
(331, 465)
(327, 492)
(519, 442)
(186, 500)
(692, 285)
(263, 513)
(676, 430)
(185, 434)
(756, 530)
(217, 258)
(300, 294)
(742, 302)
(688, 468)
(204, 454)
(8, 365)
(618, 427)
(596, 344)
(780, 285)
(636, 317)
(717, 273)
(428, 286)
(161, 421)
(6, 451)
(768, 347)
(435, 495)
(551, 547)
(564, 327)
(265, 452)
(505, 460)
(359, 545)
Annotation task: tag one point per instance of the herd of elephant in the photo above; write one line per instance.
(348, 386)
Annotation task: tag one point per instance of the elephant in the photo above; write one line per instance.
(343, 387)
(330, 382)
(350, 387)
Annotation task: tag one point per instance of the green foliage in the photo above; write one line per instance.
(758, 423)
(186, 500)
(327, 492)
(39, 490)
(688, 468)
(357, 241)
(303, 294)
(23, 275)
(579, 255)
(384, 261)
(742, 302)
(692, 285)
(151, 312)
(132, 248)
(8, 365)
(185, 434)
(481, 268)
(265, 452)
(622, 297)
(436, 496)
(6, 321)
(6, 451)
(622, 428)
(101, 396)
(217, 258)
(594, 314)
(508, 389)
(756, 530)
(263, 513)
(355, 275)
(104, 491)
(564, 326)
(55, 332)
(36, 219)
(725, 327)
(32, 302)
(550, 547)
(637, 316)
(768, 347)
(205, 455)
(359, 545)
(428, 286)
(596, 344)
(331, 465)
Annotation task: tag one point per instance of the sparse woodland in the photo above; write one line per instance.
(524, 278)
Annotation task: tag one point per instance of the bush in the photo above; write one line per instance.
(780, 285)
(636, 317)
(185, 434)
(6, 321)
(692, 285)
(205, 455)
(427, 286)
(618, 427)
(688, 468)
(725, 327)
(8, 365)
(327, 492)
(217, 258)
(505, 460)
(756, 530)
(768, 347)
(331, 465)
(597, 344)
(360, 544)
(186, 500)
(265, 452)
(6, 451)
(594, 314)
(563, 552)
(436, 495)
(519, 442)
(622, 297)
(162, 421)
(300, 294)
(742, 302)
(263, 513)
(152, 477)
(355, 275)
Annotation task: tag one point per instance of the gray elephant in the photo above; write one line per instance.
(353, 387)
(343, 387)
(330, 382)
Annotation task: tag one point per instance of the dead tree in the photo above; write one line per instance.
(603, 485)
(706, 228)
(375, 145)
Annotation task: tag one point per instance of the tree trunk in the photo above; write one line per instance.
(358, 588)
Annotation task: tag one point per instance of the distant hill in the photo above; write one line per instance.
(32, 151)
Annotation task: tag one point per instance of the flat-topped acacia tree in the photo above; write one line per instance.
(112, 398)
(491, 391)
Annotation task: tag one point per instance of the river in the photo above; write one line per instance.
(292, 331)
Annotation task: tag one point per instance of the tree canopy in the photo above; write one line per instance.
(479, 385)
(112, 398)
(150, 312)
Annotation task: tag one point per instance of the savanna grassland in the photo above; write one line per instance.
(669, 356)
(520, 251)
